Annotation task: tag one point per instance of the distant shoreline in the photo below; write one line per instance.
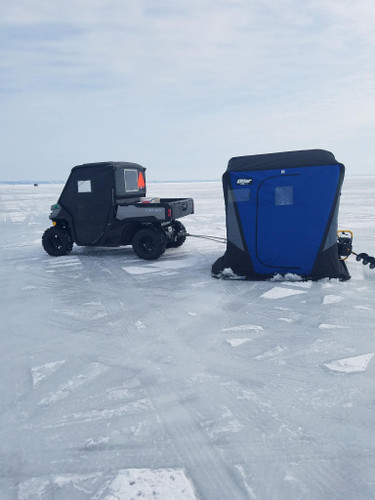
(20, 183)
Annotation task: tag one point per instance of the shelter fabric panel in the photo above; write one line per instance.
(289, 234)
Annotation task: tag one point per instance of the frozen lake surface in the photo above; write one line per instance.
(123, 379)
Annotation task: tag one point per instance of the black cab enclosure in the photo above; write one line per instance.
(104, 204)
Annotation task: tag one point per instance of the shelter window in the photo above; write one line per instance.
(239, 195)
(131, 180)
(283, 195)
(84, 186)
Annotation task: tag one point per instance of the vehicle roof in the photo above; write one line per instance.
(111, 164)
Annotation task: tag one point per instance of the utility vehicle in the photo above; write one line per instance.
(104, 204)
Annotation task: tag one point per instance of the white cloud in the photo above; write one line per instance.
(168, 75)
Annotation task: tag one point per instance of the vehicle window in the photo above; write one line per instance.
(84, 186)
(131, 180)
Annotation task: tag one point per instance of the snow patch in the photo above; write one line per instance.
(229, 424)
(363, 308)
(200, 284)
(74, 384)
(166, 265)
(136, 270)
(228, 274)
(250, 491)
(286, 277)
(237, 342)
(88, 313)
(118, 393)
(332, 299)
(140, 405)
(279, 292)
(93, 444)
(326, 326)
(32, 488)
(287, 320)
(242, 328)
(354, 364)
(272, 352)
(150, 484)
(40, 488)
(140, 325)
(64, 262)
(39, 373)
(289, 477)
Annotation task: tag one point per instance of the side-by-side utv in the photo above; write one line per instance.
(104, 204)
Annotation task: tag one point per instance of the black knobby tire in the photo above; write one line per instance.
(57, 241)
(179, 235)
(149, 243)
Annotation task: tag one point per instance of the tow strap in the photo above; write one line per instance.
(205, 237)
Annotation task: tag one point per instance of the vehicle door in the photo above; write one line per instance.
(89, 199)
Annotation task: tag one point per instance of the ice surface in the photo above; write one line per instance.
(121, 378)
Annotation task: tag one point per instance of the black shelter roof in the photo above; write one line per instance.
(302, 158)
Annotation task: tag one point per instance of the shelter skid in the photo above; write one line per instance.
(281, 216)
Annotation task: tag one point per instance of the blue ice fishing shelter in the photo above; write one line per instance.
(281, 216)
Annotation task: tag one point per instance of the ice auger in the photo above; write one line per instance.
(345, 249)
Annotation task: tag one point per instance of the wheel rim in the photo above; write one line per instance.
(147, 244)
(56, 242)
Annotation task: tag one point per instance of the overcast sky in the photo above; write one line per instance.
(182, 86)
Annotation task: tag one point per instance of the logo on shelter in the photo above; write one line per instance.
(244, 182)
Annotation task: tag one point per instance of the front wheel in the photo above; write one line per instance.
(57, 241)
(149, 243)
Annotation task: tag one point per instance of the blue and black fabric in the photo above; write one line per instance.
(281, 216)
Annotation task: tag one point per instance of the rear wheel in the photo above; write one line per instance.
(57, 241)
(179, 235)
(149, 243)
